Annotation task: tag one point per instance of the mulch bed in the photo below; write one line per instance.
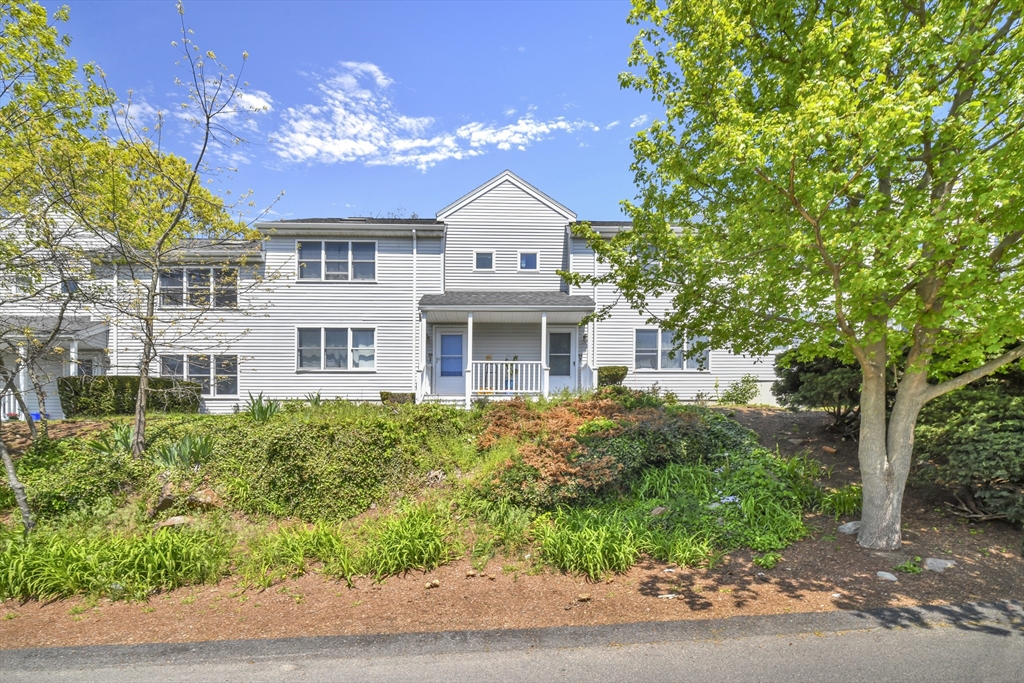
(825, 572)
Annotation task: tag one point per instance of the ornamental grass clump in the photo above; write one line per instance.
(419, 537)
(288, 552)
(53, 563)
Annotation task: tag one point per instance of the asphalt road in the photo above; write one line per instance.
(976, 643)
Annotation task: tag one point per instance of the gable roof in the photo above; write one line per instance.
(506, 176)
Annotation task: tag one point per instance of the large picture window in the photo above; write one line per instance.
(332, 260)
(336, 348)
(656, 350)
(217, 375)
(198, 287)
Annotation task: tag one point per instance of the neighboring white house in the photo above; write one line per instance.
(463, 306)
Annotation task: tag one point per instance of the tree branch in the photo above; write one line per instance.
(936, 390)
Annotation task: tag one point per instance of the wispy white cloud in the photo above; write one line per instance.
(638, 121)
(356, 120)
(612, 125)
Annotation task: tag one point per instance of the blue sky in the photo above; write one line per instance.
(382, 107)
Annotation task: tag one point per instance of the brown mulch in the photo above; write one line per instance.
(825, 572)
(17, 437)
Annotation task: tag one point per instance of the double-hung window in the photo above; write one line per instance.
(199, 287)
(334, 260)
(656, 350)
(336, 348)
(217, 375)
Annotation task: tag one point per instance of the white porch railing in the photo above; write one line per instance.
(8, 405)
(507, 377)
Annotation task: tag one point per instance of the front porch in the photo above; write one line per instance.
(502, 344)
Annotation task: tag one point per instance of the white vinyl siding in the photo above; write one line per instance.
(506, 220)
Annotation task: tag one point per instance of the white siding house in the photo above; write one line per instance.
(463, 306)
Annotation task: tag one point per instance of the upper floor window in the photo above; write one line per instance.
(528, 260)
(200, 287)
(335, 348)
(656, 350)
(483, 260)
(330, 260)
(216, 375)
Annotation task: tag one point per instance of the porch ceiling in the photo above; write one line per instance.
(452, 307)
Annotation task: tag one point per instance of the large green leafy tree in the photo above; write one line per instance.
(841, 173)
(46, 99)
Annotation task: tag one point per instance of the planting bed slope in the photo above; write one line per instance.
(824, 571)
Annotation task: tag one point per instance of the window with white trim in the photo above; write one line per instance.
(335, 348)
(199, 287)
(656, 350)
(529, 260)
(483, 260)
(217, 375)
(333, 260)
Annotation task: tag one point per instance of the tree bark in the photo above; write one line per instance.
(148, 353)
(17, 487)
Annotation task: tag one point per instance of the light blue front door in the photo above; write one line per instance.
(451, 364)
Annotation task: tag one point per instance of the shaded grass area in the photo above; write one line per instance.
(587, 485)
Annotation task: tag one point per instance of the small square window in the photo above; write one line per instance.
(528, 260)
(485, 260)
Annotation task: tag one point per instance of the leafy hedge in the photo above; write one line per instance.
(611, 375)
(328, 463)
(975, 436)
(115, 395)
(65, 475)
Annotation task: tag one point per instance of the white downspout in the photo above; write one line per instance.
(469, 360)
(415, 322)
(544, 352)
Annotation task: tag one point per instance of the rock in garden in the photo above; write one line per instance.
(660, 510)
(795, 442)
(204, 499)
(177, 520)
(164, 502)
(933, 564)
(668, 596)
(828, 449)
(886, 576)
(583, 597)
(432, 584)
(435, 477)
(470, 574)
(849, 528)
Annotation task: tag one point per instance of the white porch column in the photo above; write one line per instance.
(544, 351)
(469, 360)
(422, 361)
(23, 373)
(74, 358)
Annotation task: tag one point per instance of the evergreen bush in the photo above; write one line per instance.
(102, 395)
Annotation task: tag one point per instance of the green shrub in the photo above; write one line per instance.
(842, 501)
(395, 398)
(611, 375)
(61, 476)
(86, 396)
(285, 553)
(741, 392)
(591, 541)
(186, 453)
(975, 436)
(54, 564)
(821, 382)
(330, 463)
(421, 537)
(259, 409)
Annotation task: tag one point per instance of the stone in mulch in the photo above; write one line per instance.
(886, 576)
(933, 564)
(660, 510)
(177, 520)
(849, 528)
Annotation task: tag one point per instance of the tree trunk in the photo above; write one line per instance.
(24, 411)
(886, 452)
(17, 487)
(148, 354)
(139, 429)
